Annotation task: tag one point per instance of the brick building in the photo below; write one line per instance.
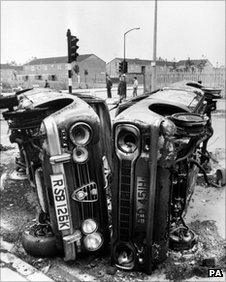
(136, 66)
(89, 71)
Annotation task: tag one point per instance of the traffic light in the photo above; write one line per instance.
(121, 67)
(125, 67)
(72, 47)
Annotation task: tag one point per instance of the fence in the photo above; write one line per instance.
(213, 79)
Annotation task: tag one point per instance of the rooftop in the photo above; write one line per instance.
(11, 67)
(57, 60)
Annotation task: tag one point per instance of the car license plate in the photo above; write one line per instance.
(142, 197)
(60, 200)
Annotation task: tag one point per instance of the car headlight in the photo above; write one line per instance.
(127, 141)
(93, 241)
(80, 154)
(80, 133)
(89, 226)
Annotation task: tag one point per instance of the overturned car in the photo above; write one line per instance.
(67, 157)
(159, 146)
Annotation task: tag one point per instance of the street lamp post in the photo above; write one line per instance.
(154, 76)
(124, 54)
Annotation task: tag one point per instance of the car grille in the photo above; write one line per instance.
(87, 193)
(125, 195)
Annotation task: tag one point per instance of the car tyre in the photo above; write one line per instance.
(26, 118)
(189, 123)
(39, 241)
(8, 102)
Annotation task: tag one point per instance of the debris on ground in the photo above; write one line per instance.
(5, 148)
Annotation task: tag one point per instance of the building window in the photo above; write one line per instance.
(52, 77)
(32, 68)
(26, 77)
(38, 77)
(45, 67)
(59, 67)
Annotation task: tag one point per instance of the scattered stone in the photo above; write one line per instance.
(45, 269)
(209, 262)
(200, 271)
(101, 273)
(111, 270)
(5, 148)
(92, 264)
(40, 260)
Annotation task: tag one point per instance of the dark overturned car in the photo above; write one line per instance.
(160, 142)
(65, 147)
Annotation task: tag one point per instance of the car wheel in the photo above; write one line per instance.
(182, 239)
(189, 123)
(25, 118)
(39, 240)
(8, 102)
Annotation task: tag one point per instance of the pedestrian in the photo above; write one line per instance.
(46, 84)
(109, 85)
(135, 86)
(122, 87)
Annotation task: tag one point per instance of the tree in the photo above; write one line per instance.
(201, 65)
(13, 63)
(188, 64)
(76, 69)
(31, 59)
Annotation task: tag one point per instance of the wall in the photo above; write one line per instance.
(96, 69)
(216, 78)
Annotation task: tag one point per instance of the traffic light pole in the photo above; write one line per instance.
(69, 61)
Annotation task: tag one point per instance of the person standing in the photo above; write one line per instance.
(109, 85)
(122, 88)
(135, 86)
(46, 84)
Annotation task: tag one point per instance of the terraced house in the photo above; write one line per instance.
(88, 71)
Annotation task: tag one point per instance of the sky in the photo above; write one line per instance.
(194, 29)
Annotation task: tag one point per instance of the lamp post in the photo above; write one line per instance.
(124, 55)
(154, 76)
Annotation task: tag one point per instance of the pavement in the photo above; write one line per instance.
(15, 269)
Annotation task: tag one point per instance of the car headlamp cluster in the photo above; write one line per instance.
(93, 240)
(80, 133)
(127, 141)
